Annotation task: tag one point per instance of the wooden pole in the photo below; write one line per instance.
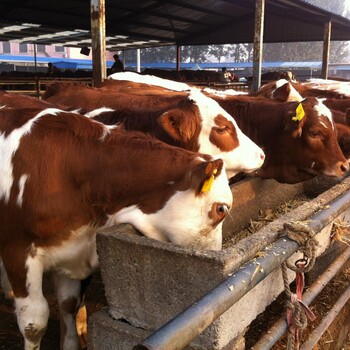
(98, 39)
(326, 49)
(258, 43)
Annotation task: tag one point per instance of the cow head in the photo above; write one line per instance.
(193, 215)
(218, 134)
(208, 127)
(310, 142)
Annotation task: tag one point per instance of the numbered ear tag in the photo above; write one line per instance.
(299, 113)
(209, 182)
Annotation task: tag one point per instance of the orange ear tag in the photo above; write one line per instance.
(299, 113)
(209, 182)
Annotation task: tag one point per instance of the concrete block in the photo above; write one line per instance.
(106, 333)
(149, 282)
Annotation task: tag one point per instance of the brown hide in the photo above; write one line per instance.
(337, 104)
(307, 91)
(344, 139)
(9, 99)
(295, 150)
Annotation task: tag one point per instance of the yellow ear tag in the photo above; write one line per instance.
(208, 182)
(299, 113)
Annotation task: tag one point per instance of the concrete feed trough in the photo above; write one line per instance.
(147, 283)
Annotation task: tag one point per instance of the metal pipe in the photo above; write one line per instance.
(326, 321)
(187, 325)
(279, 328)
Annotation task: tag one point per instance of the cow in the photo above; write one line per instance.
(284, 91)
(276, 75)
(325, 88)
(65, 176)
(298, 138)
(186, 119)
(281, 90)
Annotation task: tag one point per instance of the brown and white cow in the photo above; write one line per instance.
(64, 176)
(283, 90)
(326, 88)
(298, 138)
(186, 119)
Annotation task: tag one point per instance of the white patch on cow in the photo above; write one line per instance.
(322, 110)
(341, 87)
(75, 257)
(32, 311)
(281, 82)
(190, 225)
(68, 289)
(98, 111)
(150, 80)
(107, 129)
(21, 184)
(293, 94)
(246, 157)
(8, 147)
(323, 124)
(223, 93)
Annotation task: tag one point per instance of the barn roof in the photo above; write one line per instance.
(145, 23)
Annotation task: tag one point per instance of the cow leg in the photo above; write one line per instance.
(32, 311)
(68, 297)
(5, 283)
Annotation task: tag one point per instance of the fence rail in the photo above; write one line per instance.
(35, 86)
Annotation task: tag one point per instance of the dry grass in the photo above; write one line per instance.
(341, 232)
(265, 217)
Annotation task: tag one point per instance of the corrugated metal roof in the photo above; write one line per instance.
(145, 23)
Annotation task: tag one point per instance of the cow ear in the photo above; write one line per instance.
(282, 93)
(204, 174)
(178, 125)
(294, 119)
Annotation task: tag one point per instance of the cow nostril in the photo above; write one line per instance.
(344, 168)
(262, 156)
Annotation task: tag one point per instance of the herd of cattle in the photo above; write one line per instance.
(147, 151)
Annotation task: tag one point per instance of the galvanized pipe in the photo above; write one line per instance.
(326, 321)
(279, 328)
(187, 325)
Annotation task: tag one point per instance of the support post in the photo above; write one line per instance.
(258, 43)
(326, 49)
(178, 58)
(98, 39)
(138, 60)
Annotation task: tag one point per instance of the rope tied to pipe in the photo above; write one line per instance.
(298, 313)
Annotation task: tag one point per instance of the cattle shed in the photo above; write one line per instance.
(145, 23)
(209, 299)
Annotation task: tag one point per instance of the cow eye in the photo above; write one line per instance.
(221, 130)
(314, 134)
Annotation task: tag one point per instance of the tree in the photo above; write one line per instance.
(194, 54)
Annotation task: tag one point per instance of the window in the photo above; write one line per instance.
(59, 49)
(23, 48)
(40, 48)
(6, 47)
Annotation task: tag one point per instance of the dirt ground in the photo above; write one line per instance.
(11, 338)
